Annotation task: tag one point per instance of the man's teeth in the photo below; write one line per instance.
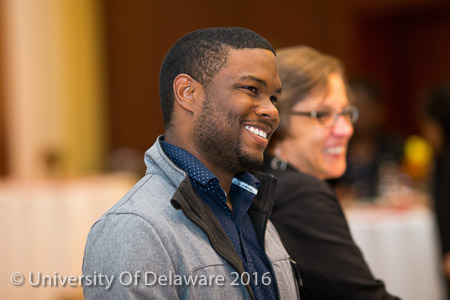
(335, 150)
(257, 131)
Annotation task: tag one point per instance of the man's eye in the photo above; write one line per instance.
(251, 89)
(274, 99)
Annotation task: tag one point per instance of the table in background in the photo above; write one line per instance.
(401, 247)
(44, 226)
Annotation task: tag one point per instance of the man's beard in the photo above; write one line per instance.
(217, 143)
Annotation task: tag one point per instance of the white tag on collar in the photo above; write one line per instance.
(245, 186)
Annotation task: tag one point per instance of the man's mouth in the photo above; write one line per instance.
(257, 131)
(335, 150)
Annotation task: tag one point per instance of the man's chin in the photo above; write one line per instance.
(251, 162)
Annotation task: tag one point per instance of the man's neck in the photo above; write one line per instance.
(225, 178)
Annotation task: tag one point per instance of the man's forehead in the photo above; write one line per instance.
(252, 60)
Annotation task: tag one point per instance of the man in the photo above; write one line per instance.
(196, 225)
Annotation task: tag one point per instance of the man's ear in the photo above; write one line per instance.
(184, 89)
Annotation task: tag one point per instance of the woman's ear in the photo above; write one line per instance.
(184, 88)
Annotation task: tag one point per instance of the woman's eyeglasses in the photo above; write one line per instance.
(328, 118)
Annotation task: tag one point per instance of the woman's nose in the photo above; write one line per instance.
(343, 126)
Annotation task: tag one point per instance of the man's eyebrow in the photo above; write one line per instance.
(251, 77)
(259, 80)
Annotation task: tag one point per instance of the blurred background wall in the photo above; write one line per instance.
(79, 79)
(402, 45)
(54, 108)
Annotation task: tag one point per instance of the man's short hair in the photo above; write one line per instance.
(202, 54)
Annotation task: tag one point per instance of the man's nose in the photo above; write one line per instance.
(267, 109)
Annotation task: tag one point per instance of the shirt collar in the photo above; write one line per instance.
(247, 182)
(189, 163)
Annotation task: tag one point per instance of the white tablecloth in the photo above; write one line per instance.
(401, 248)
(44, 226)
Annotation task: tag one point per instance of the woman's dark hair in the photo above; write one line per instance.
(437, 108)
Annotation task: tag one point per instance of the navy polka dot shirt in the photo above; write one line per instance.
(237, 223)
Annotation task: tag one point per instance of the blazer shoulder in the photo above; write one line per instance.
(294, 179)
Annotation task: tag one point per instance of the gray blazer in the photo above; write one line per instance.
(160, 241)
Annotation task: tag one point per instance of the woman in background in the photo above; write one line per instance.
(436, 129)
(316, 123)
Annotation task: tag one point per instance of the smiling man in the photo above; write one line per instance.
(196, 225)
